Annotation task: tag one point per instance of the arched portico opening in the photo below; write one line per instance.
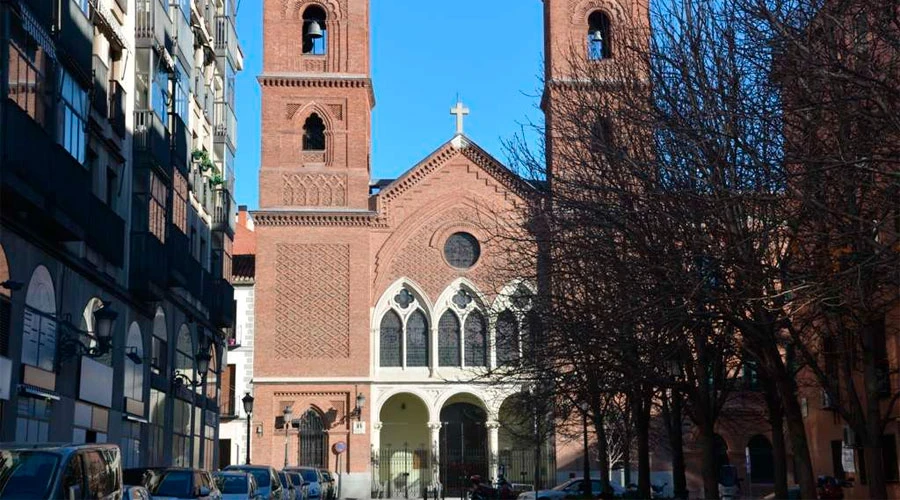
(762, 466)
(404, 457)
(463, 443)
(516, 440)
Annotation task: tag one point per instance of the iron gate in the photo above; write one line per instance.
(402, 472)
(311, 434)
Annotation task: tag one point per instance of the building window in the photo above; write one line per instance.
(39, 322)
(462, 250)
(27, 69)
(599, 36)
(181, 82)
(112, 187)
(131, 444)
(391, 331)
(90, 424)
(179, 201)
(315, 31)
(448, 340)
(314, 133)
(507, 338)
(476, 340)
(33, 420)
(417, 340)
(73, 111)
(227, 406)
(157, 208)
(181, 433)
(157, 428)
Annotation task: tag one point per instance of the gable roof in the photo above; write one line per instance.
(459, 144)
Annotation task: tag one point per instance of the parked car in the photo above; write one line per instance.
(329, 488)
(141, 476)
(291, 492)
(177, 482)
(136, 493)
(236, 485)
(301, 486)
(312, 476)
(77, 471)
(266, 480)
(572, 488)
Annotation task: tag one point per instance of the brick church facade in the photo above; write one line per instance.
(375, 302)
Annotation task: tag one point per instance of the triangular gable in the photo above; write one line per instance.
(460, 144)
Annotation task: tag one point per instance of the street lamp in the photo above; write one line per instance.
(586, 483)
(360, 403)
(248, 409)
(71, 345)
(288, 410)
(202, 358)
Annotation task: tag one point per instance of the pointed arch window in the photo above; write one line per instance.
(315, 31)
(314, 133)
(417, 340)
(391, 330)
(507, 338)
(476, 340)
(599, 36)
(448, 340)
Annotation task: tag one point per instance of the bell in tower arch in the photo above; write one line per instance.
(313, 30)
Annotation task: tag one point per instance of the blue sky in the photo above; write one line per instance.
(424, 53)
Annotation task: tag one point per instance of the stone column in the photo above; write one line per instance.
(435, 428)
(376, 457)
(493, 428)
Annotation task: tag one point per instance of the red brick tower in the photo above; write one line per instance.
(316, 104)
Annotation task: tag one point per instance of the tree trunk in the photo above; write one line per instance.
(642, 426)
(875, 463)
(626, 455)
(872, 439)
(679, 479)
(602, 452)
(779, 452)
(803, 472)
(709, 464)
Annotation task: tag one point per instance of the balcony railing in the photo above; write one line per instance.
(225, 124)
(148, 266)
(152, 21)
(151, 140)
(226, 38)
(180, 141)
(223, 212)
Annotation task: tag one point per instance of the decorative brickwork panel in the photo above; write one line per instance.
(337, 111)
(314, 65)
(315, 190)
(312, 303)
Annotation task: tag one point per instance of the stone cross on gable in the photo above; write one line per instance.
(460, 111)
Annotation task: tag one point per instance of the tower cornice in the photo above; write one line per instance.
(318, 80)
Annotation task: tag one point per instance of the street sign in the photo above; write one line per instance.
(339, 447)
(847, 460)
(359, 427)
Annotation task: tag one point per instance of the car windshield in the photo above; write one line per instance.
(261, 475)
(26, 474)
(309, 475)
(176, 483)
(229, 484)
(296, 479)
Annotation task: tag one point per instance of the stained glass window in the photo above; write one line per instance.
(507, 338)
(404, 298)
(391, 329)
(417, 340)
(462, 250)
(448, 340)
(476, 340)
(462, 299)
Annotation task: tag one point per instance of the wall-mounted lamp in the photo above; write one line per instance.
(71, 345)
(259, 430)
(360, 404)
(202, 358)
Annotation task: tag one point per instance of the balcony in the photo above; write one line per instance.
(178, 250)
(77, 38)
(222, 305)
(225, 124)
(151, 142)
(223, 212)
(233, 341)
(184, 34)
(149, 266)
(226, 40)
(52, 190)
(152, 24)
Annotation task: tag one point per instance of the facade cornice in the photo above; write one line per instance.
(319, 80)
(316, 218)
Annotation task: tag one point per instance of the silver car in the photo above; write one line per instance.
(236, 485)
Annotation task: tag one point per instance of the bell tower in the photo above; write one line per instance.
(585, 36)
(317, 99)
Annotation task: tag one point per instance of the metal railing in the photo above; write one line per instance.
(101, 86)
(152, 20)
(225, 123)
(117, 102)
(226, 37)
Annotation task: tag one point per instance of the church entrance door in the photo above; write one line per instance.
(464, 447)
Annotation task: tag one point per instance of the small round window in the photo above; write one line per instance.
(462, 250)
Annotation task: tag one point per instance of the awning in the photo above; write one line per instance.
(37, 392)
